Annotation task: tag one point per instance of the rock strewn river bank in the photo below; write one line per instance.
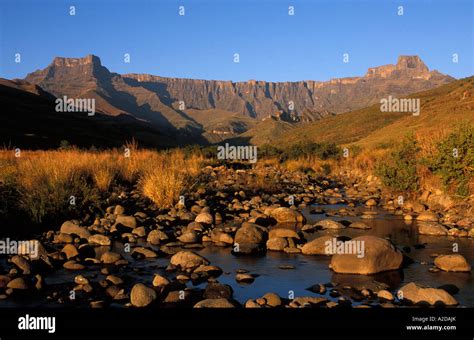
(232, 244)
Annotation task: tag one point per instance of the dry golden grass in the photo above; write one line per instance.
(296, 164)
(366, 160)
(319, 166)
(164, 179)
(268, 162)
(427, 142)
(46, 180)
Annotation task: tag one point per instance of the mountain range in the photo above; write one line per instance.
(159, 111)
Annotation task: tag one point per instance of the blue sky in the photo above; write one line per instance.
(272, 45)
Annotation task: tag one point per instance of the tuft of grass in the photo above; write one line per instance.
(104, 175)
(167, 179)
(54, 182)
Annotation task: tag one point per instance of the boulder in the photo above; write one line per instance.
(452, 263)
(114, 279)
(329, 224)
(218, 236)
(73, 265)
(283, 232)
(359, 225)
(99, 240)
(244, 278)
(212, 271)
(371, 202)
(432, 228)
(251, 304)
(385, 295)
(110, 257)
(160, 281)
(307, 301)
(143, 252)
(287, 215)
(126, 221)
(428, 216)
(417, 294)
(34, 250)
(379, 256)
(156, 236)
(318, 246)
(272, 299)
(216, 290)
(18, 283)
(141, 295)
(416, 207)
(71, 228)
(4, 279)
(214, 303)
(250, 238)
(189, 237)
(176, 297)
(119, 210)
(21, 263)
(277, 243)
(70, 251)
(204, 217)
(139, 231)
(250, 233)
(188, 260)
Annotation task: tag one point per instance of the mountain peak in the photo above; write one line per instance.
(72, 62)
(411, 66)
(84, 73)
(411, 62)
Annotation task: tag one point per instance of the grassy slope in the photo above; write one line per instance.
(440, 108)
(215, 119)
(268, 131)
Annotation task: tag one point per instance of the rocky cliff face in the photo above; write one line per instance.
(305, 98)
(169, 102)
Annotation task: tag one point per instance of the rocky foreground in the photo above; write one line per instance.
(247, 214)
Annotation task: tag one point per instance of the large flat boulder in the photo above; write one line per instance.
(250, 233)
(432, 228)
(329, 224)
(71, 228)
(188, 260)
(318, 246)
(379, 255)
(452, 263)
(287, 215)
(417, 294)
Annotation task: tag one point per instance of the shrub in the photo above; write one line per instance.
(269, 151)
(326, 168)
(312, 150)
(65, 145)
(399, 170)
(454, 159)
